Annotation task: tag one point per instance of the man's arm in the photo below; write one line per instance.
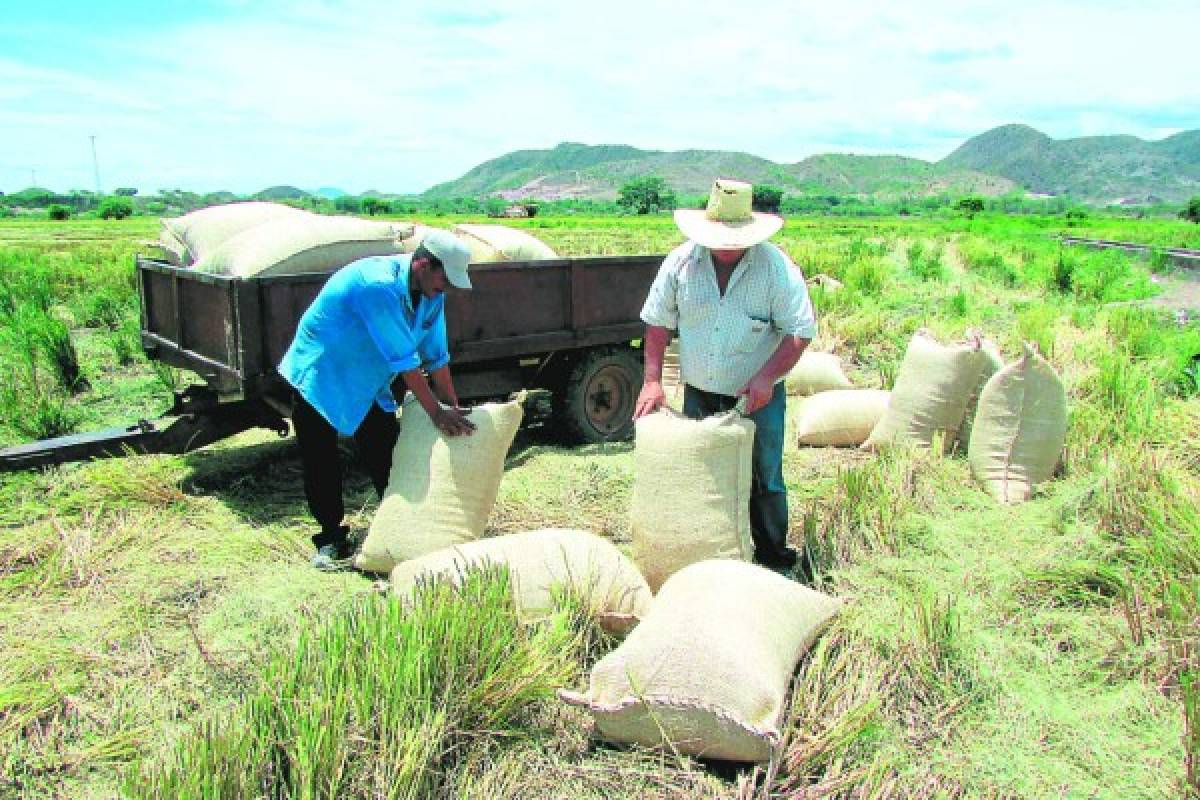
(443, 386)
(652, 397)
(761, 387)
(449, 421)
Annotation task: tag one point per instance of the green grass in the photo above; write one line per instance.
(162, 634)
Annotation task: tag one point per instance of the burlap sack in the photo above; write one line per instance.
(1020, 428)
(708, 669)
(841, 418)
(541, 564)
(442, 488)
(930, 394)
(294, 245)
(491, 243)
(817, 372)
(691, 491)
(195, 236)
(992, 363)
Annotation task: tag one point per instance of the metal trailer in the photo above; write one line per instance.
(568, 325)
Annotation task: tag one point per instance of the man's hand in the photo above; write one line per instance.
(453, 421)
(758, 392)
(651, 399)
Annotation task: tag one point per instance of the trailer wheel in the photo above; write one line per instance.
(596, 402)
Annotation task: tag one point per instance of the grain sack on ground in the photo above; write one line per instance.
(708, 669)
(491, 243)
(295, 245)
(442, 488)
(841, 418)
(992, 363)
(826, 282)
(817, 372)
(691, 491)
(1020, 428)
(930, 395)
(194, 236)
(542, 564)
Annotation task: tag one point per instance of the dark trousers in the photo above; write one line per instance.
(322, 462)
(768, 493)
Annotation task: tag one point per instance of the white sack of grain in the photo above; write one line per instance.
(491, 243)
(841, 418)
(410, 239)
(1020, 428)
(296, 245)
(541, 565)
(691, 491)
(930, 395)
(992, 363)
(194, 236)
(707, 671)
(442, 488)
(817, 372)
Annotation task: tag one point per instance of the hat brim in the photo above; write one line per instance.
(725, 236)
(457, 275)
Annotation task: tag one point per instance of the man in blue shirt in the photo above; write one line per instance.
(373, 320)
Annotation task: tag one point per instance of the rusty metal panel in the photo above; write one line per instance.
(612, 292)
(514, 299)
(207, 321)
(283, 303)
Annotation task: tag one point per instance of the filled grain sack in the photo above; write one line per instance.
(491, 243)
(841, 418)
(817, 372)
(442, 488)
(194, 236)
(410, 239)
(992, 363)
(826, 282)
(541, 565)
(930, 395)
(295, 245)
(707, 671)
(691, 491)
(1020, 428)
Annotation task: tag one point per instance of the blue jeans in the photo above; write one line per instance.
(768, 493)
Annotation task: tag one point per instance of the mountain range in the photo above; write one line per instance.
(1099, 170)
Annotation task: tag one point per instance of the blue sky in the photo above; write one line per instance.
(360, 95)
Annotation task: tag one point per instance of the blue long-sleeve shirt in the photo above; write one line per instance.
(359, 333)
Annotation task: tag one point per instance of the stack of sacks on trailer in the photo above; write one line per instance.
(1020, 428)
(691, 491)
(542, 564)
(257, 239)
(707, 671)
(491, 244)
(442, 488)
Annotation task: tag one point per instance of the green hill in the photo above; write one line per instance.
(1098, 170)
(596, 172)
(1093, 169)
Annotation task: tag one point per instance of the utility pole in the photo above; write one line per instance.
(95, 165)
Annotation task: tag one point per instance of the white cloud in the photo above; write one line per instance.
(374, 95)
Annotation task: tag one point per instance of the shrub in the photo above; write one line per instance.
(115, 208)
(1191, 212)
(972, 204)
(767, 198)
(646, 195)
(58, 211)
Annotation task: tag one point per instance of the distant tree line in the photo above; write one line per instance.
(641, 195)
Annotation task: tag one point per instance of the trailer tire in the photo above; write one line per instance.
(595, 402)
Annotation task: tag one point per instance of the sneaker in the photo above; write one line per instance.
(332, 557)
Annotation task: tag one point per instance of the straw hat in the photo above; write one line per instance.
(728, 223)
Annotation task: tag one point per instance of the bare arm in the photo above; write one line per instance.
(443, 386)
(449, 421)
(761, 387)
(652, 397)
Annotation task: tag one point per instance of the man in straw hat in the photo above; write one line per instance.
(744, 317)
(374, 320)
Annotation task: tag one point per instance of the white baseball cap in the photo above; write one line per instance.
(454, 255)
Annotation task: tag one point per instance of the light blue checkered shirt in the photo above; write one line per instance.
(725, 340)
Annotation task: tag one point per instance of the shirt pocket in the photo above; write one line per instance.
(751, 333)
